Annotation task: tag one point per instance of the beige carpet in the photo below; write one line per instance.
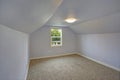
(72, 67)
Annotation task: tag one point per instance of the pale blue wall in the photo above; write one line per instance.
(13, 54)
(101, 47)
(40, 43)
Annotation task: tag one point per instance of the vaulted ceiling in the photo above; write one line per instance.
(94, 16)
(27, 15)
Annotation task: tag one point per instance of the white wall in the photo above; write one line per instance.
(40, 43)
(13, 54)
(101, 47)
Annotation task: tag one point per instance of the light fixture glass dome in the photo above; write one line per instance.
(70, 20)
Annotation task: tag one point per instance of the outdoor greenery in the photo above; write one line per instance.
(56, 36)
(55, 39)
(55, 32)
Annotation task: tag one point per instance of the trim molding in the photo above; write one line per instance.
(52, 56)
(27, 69)
(99, 62)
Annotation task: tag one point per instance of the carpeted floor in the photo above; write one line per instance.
(72, 67)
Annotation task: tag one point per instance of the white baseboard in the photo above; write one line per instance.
(27, 68)
(107, 65)
(58, 55)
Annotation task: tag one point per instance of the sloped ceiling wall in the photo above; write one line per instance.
(106, 24)
(94, 16)
(26, 15)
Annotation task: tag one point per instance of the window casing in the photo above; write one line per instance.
(56, 37)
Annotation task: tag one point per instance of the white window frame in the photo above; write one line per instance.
(56, 37)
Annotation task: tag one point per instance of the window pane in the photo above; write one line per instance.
(55, 32)
(55, 39)
(58, 42)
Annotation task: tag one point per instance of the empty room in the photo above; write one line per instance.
(59, 39)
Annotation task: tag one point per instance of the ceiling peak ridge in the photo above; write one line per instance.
(49, 16)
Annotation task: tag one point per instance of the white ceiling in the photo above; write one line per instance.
(106, 24)
(94, 16)
(26, 15)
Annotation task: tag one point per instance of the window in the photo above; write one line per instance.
(56, 37)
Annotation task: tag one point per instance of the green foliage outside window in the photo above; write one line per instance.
(55, 32)
(55, 39)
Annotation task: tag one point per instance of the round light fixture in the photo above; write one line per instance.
(70, 20)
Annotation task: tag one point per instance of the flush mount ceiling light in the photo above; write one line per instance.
(70, 20)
